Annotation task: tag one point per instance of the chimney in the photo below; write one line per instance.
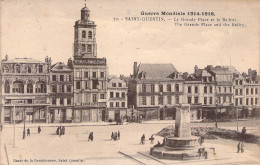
(135, 69)
(195, 69)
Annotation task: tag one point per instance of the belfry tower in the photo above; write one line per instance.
(90, 73)
(85, 45)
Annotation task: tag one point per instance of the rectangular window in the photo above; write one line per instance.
(117, 104)
(210, 100)
(62, 88)
(102, 96)
(196, 89)
(123, 94)
(196, 100)
(210, 89)
(230, 89)
(177, 99)
(61, 101)
(236, 101)
(113, 84)
(111, 94)
(176, 87)
(205, 100)
(252, 91)
(61, 77)
(85, 74)
(68, 88)
(143, 100)
(189, 89)
(119, 84)
(204, 79)
(241, 91)
(117, 95)
(29, 101)
(255, 101)
(77, 84)
(68, 101)
(252, 101)
(247, 91)
(169, 88)
(236, 91)
(143, 88)
(102, 74)
(152, 100)
(70, 78)
(236, 82)
(152, 87)
(94, 98)
(241, 101)
(169, 99)
(160, 100)
(247, 101)
(241, 82)
(54, 78)
(111, 104)
(161, 88)
(53, 101)
(205, 90)
(54, 88)
(225, 89)
(189, 100)
(224, 99)
(94, 84)
(123, 104)
(219, 89)
(256, 91)
(94, 74)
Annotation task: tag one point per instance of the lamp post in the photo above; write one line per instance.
(14, 126)
(24, 123)
(237, 117)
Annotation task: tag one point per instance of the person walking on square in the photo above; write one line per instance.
(238, 147)
(63, 130)
(112, 135)
(152, 139)
(142, 139)
(58, 131)
(39, 130)
(242, 147)
(28, 132)
(118, 135)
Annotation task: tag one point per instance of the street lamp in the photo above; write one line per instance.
(14, 125)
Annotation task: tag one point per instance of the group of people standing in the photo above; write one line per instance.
(60, 130)
(143, 139)
(240, 145)
(115, 135)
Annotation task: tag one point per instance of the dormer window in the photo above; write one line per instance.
(83, 34)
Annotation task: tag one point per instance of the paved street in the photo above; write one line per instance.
(74, 146)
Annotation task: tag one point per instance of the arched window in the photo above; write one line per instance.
(90, 35)
(40, 69)
(40, 87)
(83, 34)
(18, 87)
(89, 49)
(17, 69)
(29, 88)
(7, 87)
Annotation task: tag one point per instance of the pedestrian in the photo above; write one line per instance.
(152, 139)
(92, 136)
(112, 135)
(238, 147)
(242, 147)
(63, 130)
(164, 140)
(39, 130)
(243, 133)
(58, 131)
(118, 135)
(142, 139)
(28, 132)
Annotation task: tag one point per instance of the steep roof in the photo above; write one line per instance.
(59, 66)
(156, 71)
(23, 60)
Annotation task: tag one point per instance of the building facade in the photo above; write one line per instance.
(61, 93)
(116, 99)
(155, 90)
(90, 73)
(25, 86)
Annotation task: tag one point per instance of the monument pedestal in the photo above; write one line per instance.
(181, 146)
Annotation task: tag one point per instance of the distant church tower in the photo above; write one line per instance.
(85, 45)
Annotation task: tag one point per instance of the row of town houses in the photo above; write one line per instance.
(83, 91)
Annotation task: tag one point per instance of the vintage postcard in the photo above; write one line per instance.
(129, 82)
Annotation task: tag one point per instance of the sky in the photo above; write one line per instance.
(36, 29)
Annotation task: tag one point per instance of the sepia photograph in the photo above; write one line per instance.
(133, 82)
